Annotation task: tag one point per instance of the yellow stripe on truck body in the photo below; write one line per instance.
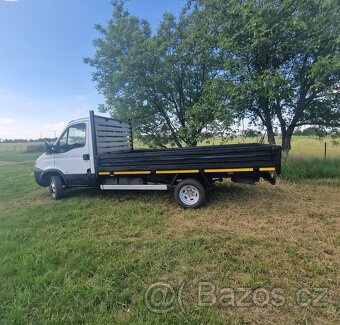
(183, 171)
(138, 172)
(267, 169)
(229, 170)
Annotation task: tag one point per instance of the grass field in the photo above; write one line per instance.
(91, 257)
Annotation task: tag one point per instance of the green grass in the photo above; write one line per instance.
(90, 257)
(17, 156)
(16, 181)
(300, 169)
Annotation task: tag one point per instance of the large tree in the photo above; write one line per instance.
(167, 83)
(282, 60)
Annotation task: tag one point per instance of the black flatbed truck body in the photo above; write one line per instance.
(208, 159)
(115, 156)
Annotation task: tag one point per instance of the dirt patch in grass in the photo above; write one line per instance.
(283, 236)
(262, 211)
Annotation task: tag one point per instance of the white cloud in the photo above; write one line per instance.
(55, 125)
(28, 117)
(5, 121)
(54, 129)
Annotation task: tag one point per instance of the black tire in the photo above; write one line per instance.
(56, 188)
(190, 193)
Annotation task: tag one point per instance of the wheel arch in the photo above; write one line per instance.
(200, 177)
(46, 176)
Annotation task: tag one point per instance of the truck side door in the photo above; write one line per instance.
(72, 154)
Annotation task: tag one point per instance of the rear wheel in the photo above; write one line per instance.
(190, 193)
(56, 188)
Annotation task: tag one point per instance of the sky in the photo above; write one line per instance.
(43, 81)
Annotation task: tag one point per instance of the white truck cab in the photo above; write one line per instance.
(70, 157)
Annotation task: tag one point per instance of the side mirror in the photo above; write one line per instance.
(55, 148)
(47, 147)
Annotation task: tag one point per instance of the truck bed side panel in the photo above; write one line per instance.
(226, 156)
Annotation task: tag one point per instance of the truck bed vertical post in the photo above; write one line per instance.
(94, 141)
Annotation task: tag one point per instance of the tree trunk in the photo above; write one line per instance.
(270, 134)
(193, 143)
(266, 118)
(286, 143)
(172, 131)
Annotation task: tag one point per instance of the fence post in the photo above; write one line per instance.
(325, 152)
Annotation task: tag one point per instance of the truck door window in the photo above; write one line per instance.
(76, 136)
(73, 137)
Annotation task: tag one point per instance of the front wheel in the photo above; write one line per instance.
(190, 193)
(56, 188)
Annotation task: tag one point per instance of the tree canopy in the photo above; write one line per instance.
(162, 82)
(273, 62)
(282, 59)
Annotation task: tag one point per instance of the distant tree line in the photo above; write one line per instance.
(320, 132)
(26, 140)
(275, 63)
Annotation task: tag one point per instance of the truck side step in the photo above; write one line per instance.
(159, 187)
